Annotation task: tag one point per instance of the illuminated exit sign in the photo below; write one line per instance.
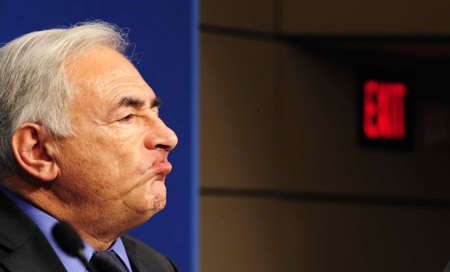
(386, 110)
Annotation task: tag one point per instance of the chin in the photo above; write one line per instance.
(159, 205)
(143, 214)
(152, 206)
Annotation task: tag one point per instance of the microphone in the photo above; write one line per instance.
(70, 242)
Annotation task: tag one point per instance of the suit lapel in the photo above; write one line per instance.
(447, 268)
(144, 258)
(132, 253)
(34, 255)
(28, 248)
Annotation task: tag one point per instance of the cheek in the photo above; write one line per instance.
(105, 158)
(133, 156)
(131, 159)
(89, 157)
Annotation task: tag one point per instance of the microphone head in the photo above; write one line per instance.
(68, 239)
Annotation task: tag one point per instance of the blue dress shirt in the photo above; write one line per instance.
(45, 223)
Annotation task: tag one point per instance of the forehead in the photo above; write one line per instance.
(105, 72)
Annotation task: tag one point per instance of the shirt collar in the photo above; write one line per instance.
(46, 222)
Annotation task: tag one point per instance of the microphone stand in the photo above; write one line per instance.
(70, 242)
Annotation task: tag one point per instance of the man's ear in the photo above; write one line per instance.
(34, 152)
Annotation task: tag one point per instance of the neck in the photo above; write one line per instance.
(42, 196)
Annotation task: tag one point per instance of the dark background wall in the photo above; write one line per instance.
(286, 185)
(164, 39)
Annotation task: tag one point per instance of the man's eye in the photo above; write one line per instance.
(127, 118)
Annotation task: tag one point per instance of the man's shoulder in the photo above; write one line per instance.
(146, 258)
(133, 245)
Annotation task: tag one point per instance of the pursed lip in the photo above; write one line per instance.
(163, 167)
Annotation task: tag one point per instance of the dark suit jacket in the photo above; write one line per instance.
(24, 248)
(447, 268)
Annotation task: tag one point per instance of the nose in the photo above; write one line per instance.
(161, 136)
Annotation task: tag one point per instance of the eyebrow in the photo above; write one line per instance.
(157, 102)
(136, 102)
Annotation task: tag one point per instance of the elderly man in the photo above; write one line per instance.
(80, 141)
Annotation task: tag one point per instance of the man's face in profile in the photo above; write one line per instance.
(115, 165)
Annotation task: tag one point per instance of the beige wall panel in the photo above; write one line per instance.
(239, 128)
(251, 234)
(366, 17)
(239, 234)
(257, 15)
(321, 154)
(343, 237)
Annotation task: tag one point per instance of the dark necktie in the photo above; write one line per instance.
(107, 261)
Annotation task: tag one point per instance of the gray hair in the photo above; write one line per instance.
(33, 84)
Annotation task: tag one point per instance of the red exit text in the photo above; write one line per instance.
(384, 110)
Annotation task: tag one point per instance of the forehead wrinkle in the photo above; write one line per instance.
(112, 81)
(107, 80)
